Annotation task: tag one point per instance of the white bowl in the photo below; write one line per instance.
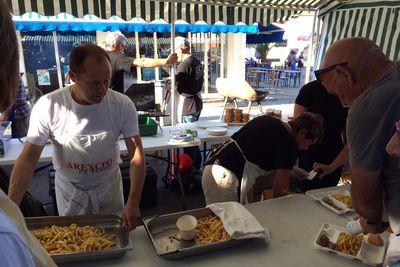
(217, 130)
(187, 227)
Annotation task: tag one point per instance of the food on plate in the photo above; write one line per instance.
(325, 242)
(344, 199)
(228, 117)
(210, 229)
(375, 240)
(73, 238)
(245, 117)
(277, 113)
(330, 203)
(236, 116)
(349, 244)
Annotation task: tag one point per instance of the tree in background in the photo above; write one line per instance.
(263, 50)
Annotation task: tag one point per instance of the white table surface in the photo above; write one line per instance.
(13, 147)
(294, 222)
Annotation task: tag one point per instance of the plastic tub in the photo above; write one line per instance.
(147, 126)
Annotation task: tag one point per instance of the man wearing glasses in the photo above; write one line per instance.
(367, 81)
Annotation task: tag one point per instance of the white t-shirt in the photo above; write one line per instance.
(57, 113)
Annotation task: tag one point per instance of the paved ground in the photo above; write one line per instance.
(168, 200)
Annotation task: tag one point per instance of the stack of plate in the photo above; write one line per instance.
(217, 131)
(208, 124)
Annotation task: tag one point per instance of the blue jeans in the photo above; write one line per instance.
(193, 152)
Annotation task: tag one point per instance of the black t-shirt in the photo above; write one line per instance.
(316, 99)
(189, 82)
(265, 141)
(120, 63)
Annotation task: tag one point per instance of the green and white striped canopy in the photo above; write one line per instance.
(210, 11)
(378, 21)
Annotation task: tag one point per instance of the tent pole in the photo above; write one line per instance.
(22, 65)
(138, 69)
(58, 63)
(156, 69)
(222, 63)
(174, 110)
(206, 43)
(310, 50)
(190, 41)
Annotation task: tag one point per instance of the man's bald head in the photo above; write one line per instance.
(362, 63)
(361, 54)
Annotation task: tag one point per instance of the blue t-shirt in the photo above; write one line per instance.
(13, 249)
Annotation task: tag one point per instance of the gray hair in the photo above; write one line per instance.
(114, 39)
(181, 43)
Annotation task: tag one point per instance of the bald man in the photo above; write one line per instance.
(357, 71)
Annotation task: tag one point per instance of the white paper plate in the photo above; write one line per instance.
(217, 131)
(208, 124)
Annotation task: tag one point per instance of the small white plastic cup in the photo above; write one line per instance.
(187, 227)
(354, 227)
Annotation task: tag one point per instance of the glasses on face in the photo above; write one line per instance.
(318, 73)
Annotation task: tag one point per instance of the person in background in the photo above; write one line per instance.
(18, 247)
(370, 87)
(291, 60)
(115, 45)
(18, 113)
(189, 83)
(300, 61)
(84, 122)
(264, 146)
(327, 157)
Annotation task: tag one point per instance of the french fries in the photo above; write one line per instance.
(210, 229)
(70, 239)
(344, 199)
(349, 244)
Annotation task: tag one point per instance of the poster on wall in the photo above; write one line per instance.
(43, 77)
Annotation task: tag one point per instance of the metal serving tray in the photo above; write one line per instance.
(112, 224)
(161, 228)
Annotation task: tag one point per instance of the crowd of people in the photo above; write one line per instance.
(348, 114)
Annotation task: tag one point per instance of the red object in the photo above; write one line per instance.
(185, 163)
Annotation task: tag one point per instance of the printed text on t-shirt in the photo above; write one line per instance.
(90, 168)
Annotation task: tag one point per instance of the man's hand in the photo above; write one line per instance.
(323, 169)
(131, 215)
(299, 173)
(393, 147)
(171, 59)
(372, 229)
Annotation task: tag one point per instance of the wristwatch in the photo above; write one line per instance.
(371, 222)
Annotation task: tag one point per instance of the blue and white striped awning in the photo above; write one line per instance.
(211, 11)
(33, 21)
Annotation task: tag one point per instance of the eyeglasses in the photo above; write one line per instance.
(319, 72)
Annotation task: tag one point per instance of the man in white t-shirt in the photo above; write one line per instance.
(84, 122)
